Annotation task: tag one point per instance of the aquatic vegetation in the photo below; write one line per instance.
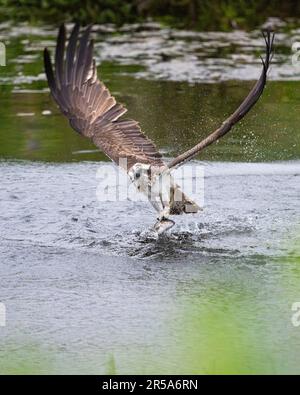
(193, 14)
(134, 68)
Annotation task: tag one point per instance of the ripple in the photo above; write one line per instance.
(56, 205)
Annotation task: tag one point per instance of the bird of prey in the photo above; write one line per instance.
(94, 113)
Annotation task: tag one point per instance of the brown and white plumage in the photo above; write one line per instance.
(88, 104)
(94, 113)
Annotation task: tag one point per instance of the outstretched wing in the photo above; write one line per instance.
(91, 109)
(246, 106)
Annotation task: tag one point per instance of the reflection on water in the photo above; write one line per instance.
(86, 285)
(174, 114)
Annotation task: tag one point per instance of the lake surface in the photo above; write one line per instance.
(87, 286)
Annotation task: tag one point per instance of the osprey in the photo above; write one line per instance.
(94, 113)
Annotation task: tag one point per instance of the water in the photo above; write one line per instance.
(87, 287)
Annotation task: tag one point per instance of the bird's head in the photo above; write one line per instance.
(140, 175)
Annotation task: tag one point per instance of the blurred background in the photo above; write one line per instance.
(191, 14)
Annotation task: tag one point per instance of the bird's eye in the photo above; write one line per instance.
(137, 175)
